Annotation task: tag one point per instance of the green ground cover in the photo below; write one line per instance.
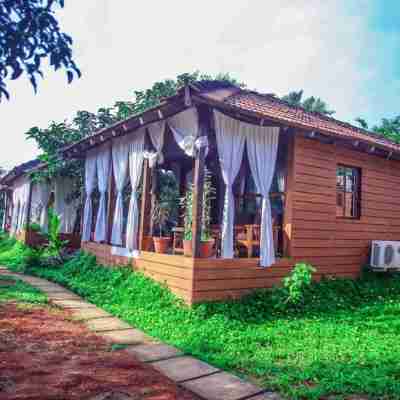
(12, 289)
(342, 338)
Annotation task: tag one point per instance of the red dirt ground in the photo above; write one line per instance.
(43, 355)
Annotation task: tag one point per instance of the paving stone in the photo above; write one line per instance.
(222, 386)
(107, 324)
(127, 336)
(154, 352)
(267, 396)
(73, 304)
(182, 368)
(62, 295)
(89, 313)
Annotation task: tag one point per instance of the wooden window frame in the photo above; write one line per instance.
(356, 193)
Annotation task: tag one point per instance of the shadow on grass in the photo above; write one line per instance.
(12, 289)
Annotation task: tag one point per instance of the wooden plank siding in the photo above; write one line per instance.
(176, 272)
(341, 246)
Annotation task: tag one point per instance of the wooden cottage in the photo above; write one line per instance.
(288, 186)
(26, 205)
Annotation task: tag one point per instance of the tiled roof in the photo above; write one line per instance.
(270, 107)
(20, 170)
(233, 98)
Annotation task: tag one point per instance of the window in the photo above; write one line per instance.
(348, 184)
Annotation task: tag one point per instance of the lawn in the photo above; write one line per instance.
(342, 339)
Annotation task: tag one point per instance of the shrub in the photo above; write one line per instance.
(17, 256)
(55, 244)
(298, 282)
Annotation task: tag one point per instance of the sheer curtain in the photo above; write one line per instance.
(23, 200)
(156, 132)
(103, 172)
(230, 144)
(90, 184)
(120, 152)
(15, 210)
(39, 204)
(65, 206)
(262, 146)
(136, 147)
(185, 128)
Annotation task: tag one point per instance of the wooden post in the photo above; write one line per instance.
(197, 211)
(198, 181)
(153, 196)
(145, 212)
(289, 187)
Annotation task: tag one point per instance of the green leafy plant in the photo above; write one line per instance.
(55, 244)
(165, 211)
(34, 227)
(298, 282)
(324, 347)
(187, 205)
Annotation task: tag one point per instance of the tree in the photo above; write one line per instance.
(52, 139)
(30, 33)
(388, 127)
(362, 122)
(145, 99)
(312, 104)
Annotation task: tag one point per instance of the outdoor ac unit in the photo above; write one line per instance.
(385, 255)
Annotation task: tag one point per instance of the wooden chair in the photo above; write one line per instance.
(177, 241)
(248, 236)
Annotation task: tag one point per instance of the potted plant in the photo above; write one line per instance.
(207, 241)
(165, 210)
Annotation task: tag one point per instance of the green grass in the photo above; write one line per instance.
(343, 339)
(12, 289)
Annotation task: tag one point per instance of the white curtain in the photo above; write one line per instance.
(230, 144)
(120, 151)
(103, 174)
(65, 206)
(23, 197)
(156, 132)
(262, 146)
(15, 211)
(136, 147)
(185, 128)
(90, 184)
(39, 204)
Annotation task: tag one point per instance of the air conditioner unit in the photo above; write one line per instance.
(385, 255)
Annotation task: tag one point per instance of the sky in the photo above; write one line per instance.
(344, 51)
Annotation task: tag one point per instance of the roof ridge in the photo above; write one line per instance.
(325, 117)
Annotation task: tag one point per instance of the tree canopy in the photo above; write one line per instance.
(313, 104)
(59, 134)
(30, 33)
(388, 127)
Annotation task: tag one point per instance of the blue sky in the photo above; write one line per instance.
(346, 52)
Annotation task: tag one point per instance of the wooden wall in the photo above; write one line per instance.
(176, 272)
(334, 245)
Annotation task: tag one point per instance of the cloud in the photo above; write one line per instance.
(328, 48)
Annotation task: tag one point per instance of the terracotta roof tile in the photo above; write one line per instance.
(271, 107)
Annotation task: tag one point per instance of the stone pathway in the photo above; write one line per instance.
(204, 380)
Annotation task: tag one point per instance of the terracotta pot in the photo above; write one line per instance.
(206, 248)
(161, 244)
(147, 243)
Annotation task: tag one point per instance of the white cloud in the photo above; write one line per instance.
(274, 46)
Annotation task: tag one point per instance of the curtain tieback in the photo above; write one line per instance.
(154, 157)
(192, 144)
